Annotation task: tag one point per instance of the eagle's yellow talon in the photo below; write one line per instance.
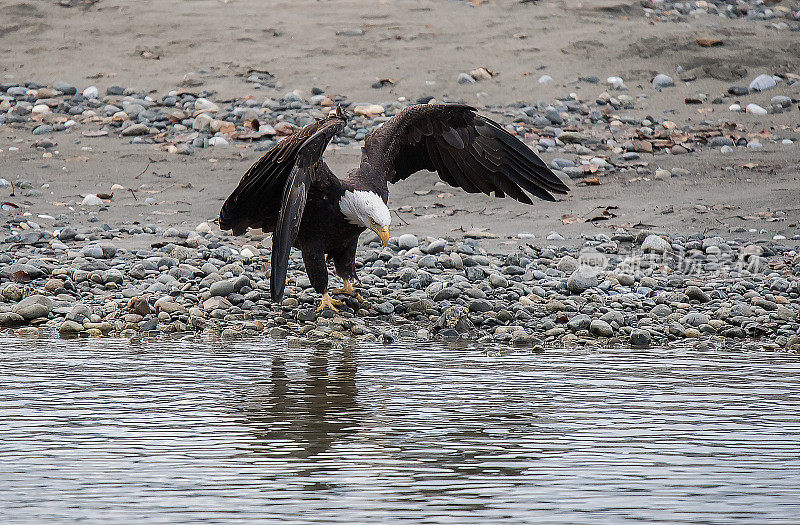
(329, 302)
(348, 289)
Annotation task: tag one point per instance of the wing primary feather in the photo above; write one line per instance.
(292, 206)
(256, 201)
(286, 229)
(448, 172)
(467, 149)
(452, 137)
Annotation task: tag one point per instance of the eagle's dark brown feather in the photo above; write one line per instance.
(256, 201)
(466, 149)
(293, 204)
(292, 193)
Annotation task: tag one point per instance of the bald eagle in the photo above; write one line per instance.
(292, 193)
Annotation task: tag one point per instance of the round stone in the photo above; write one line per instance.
(407, 241)
(91, 92)
(385, 308)
(567, 264)
(70, 327)
(498, 281)
(222, 288)
(92, 200)
(579, 322)
(600, 328)
(694, 319)
(640, 338)
(655, 244)
(436, 246)
(583, 278)
(661, 81)
(762, 83)
(33, 307)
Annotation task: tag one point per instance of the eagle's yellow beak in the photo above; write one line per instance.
(383, 233)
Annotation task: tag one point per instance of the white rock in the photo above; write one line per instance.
(656, 244)
(203, 227)
(755, 109)
(726, 149)
(202, 122)
(92, 200)
(368, 110)
(217, 141)
(40, 108)
(247, 253)
(91, 92)
(554, 236)
(117, 187)
(762, 83)
(616, 83)
(203, 104)
(545, 79)
(754, 144)
(252, 249)
(407, 241)
(661, 81)
(734, 107)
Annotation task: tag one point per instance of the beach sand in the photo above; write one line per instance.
(343, 47)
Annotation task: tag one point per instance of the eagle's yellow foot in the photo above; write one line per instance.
(329, 302)
(348, 289)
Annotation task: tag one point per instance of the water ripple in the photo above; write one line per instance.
(194, 432)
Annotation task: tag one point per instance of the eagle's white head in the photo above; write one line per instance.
(367, 209)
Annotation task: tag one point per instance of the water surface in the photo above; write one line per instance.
(183, 431)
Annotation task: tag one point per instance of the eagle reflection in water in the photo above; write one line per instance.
(303, 414)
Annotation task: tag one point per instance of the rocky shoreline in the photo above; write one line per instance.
(592, 137)
(627, 287)
(631, 288)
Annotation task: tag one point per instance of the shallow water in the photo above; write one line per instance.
(103, 431)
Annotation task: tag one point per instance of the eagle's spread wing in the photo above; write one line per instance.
(466, 149)
(257, 199)
(294, 201)
(272, 194)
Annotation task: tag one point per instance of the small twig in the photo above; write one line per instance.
(149, 161)
(399, 217)
(133, 193)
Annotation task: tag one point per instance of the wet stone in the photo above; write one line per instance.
(600, 328)
(579, 322)
(696, 294)
(306, 315)
(640, 338)
(33, 307)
